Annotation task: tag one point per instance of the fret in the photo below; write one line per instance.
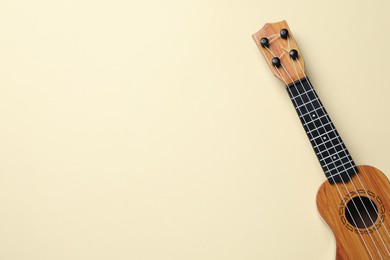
(305, 113)
(315, 111)
(337, 166)
(339, 170)
(304, 93)
(327, 141)
(323, 159)
(340, 159)
(305, 104)
(325, 137)
(333, 175)
(321, 130)
(327, 150)
(327, 144)
(315, 119)
(333, 130)
(323, 126)
(298, 88)
(333, 152)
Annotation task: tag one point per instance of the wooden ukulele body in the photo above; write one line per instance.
(349, 239)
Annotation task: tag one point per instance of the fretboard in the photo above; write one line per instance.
(330, 149)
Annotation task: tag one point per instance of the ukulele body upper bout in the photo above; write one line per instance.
(360, 220)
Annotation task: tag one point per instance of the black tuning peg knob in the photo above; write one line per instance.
(264, 42)
(284, 33)
(276, 62)
(293, 54)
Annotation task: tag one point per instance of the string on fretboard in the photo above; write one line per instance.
(331, 151)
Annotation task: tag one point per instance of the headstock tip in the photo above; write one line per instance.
(277, 44)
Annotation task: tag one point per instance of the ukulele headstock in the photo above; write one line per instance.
(278, 46)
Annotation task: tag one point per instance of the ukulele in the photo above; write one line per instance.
(354, 200)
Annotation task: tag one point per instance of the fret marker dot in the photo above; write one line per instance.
(324, 137)
(313, 115)
(334, 157)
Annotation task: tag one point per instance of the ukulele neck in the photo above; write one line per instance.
(330, 149)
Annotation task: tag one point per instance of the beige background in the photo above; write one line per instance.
(155, 130)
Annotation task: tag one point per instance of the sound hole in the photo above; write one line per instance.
(361, 212)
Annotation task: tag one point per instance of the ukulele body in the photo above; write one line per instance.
(357, 242)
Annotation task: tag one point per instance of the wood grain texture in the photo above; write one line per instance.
(349, 240)
(290, 71)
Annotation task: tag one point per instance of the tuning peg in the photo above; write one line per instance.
(293, 54)
(264, 42)
(284, 33)
(276, 62)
